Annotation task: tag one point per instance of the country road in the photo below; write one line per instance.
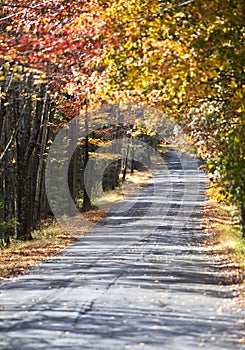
(141, 280)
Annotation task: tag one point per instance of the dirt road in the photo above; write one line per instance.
(141, 280)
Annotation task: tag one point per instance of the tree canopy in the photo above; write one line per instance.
(185, 58)
(188, 59)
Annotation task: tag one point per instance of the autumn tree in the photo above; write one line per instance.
(187, 58)
(217, 122)
(46, 53)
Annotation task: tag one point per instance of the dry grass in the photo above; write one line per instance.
(226, 244)
(51, 238)
(132, 183)
(19, 256)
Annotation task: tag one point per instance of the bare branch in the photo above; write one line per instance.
(177, 5)
(12, 137)
(161, 11)
(18, 13)
(18, 6)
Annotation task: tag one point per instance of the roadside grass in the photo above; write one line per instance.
(19, 256)
(51, 238)
(225, 242)
(132, 183)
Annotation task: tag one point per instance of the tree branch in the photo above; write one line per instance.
(18, 13)
(11, 138)
(18, 6)
(161, 11)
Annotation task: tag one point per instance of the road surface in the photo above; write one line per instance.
(141, 280)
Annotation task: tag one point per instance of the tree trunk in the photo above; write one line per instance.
(23, 134)
(26, 144)
(39, 176)
(23, 202)
(125, 165)
(72, 171)
(132, 167)
(7, 185)
(86, 190)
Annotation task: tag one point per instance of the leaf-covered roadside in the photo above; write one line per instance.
(50, 240)
(223, 229)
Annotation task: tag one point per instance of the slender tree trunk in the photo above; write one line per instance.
(40, 156)
(40, 189)
(125, 165)
(23, 203)
(132, 167)
(86, 190)
(34, 183)
(72, 171)
(148, 155)
(8, 130)
(6, 180)
(6, 206)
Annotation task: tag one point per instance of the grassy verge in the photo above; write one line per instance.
(132, 183)
(225, 243)
(51, 238)
(19, 256)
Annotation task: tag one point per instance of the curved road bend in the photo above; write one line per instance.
(140, 280)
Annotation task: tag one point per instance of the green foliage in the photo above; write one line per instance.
(110, 178)
(7, 230)
(219, 135)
